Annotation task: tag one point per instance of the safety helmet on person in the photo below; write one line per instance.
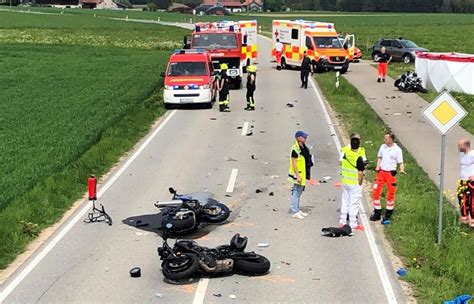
(251, 69)
(224, 66)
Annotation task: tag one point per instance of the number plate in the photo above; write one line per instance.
(186, 100)
(233, 72)
(338, 67)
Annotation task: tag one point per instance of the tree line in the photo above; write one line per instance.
(425, 6)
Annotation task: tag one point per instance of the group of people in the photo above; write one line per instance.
(465, 191)
(353, 163)
(222, 86)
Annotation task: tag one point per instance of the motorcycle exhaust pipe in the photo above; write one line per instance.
(173, 203)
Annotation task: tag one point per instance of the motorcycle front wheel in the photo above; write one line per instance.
(215, 212)
(181, 267)
(254, 264)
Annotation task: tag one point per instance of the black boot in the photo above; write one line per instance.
(387, 215)
(376, 215)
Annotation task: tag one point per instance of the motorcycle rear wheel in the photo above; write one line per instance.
(181, 268)
(421, 89)
(255, 264)
(215, 212)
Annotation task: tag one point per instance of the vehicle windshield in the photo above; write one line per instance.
(215, 41)
(409, 44)
(187, 69)
(328, 42)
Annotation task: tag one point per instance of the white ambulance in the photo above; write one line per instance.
(319, 39)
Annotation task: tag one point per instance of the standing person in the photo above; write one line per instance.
(305, 70)
(389, 156)
(300, 167)
(223, 88)
(352, 171)
(384, 60)
(466, 182)
(279, 51)
(251, 87)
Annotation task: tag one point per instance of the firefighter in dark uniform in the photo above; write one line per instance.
(223, 88)
(251, 86)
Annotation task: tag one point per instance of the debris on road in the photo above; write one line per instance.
(233, 296)
(135, 272)
(159, 295)
(218, 295)
(263, 244)
(249, 133)
(337, 232)
(275, 209)
(231, 159)
(275, 177)
(402, 272)
(289, 105)
(397, 113)
(213, 118)
(283, 262)
(262, 132)
(253, 156)
(271, 194)
(239, 128)
(327, 177)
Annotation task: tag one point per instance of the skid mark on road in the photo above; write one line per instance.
(274, 279)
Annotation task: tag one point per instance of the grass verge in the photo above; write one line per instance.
(438, 273)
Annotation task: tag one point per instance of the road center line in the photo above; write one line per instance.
(204, 282)
(245, 128)
(233, 177)
(387, 286)
(60, 234)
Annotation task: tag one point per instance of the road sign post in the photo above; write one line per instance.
(443, 113)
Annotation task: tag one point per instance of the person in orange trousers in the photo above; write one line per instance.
(388, 158)
(384, 60)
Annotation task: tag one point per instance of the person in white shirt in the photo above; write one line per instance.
(279, 51)
(388, 158)
(466, 182)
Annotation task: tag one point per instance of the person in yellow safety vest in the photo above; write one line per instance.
(352, 171)
(300, 170)
(223, 88)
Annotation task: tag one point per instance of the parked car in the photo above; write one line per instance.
(400, 49)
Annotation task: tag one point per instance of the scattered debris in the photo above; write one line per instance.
(337, 232)
(296, 100)
(252, 126)
(159, 295)
(275, 177)
(135, 272)
(409, 112)
(271, 194)
(239, 128)
(253, 156)
(258, 191)
(275, 209)
(289, 105)
(283, 262)
(390, 97)
(263, 245)
(262, 132)
(327, 177)
(397, 114)
(249, 133)
(217, 295)
(231, 159)
(323, 182)
(213, 118)
(233, 296)
(402, 272)
(228, 195)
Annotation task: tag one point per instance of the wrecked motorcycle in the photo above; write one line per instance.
(410, 82)
(185, 213)
(186, 259)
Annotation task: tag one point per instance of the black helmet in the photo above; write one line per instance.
(239, 243)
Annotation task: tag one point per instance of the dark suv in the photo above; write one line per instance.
(400, 49)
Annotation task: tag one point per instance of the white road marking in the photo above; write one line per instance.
(201, 291)
(204, 282)
(42, 254)
(245, 128)
(387, 286)
(233, 177)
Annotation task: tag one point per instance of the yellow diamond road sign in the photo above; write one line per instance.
(444, 112)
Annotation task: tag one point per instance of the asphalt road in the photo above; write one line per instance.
(196, 150)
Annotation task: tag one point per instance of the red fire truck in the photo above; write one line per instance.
(233, 43)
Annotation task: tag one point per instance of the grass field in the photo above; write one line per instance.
(438, 273)
(70, 86)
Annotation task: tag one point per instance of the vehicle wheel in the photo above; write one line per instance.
(407, 58)
(169, 106)
(180, 268)
(344, 70)
(216, 212)
(208, 105)
(376, 56)
(421, 89)
(253, 265)
(397, 83)
(283, 63)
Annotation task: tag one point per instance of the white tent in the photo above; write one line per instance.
(450, 71)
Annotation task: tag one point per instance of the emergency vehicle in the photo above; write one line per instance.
(189, 78)
(230, 42)
(319, 39)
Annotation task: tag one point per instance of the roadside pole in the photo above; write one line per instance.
(443, 113)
